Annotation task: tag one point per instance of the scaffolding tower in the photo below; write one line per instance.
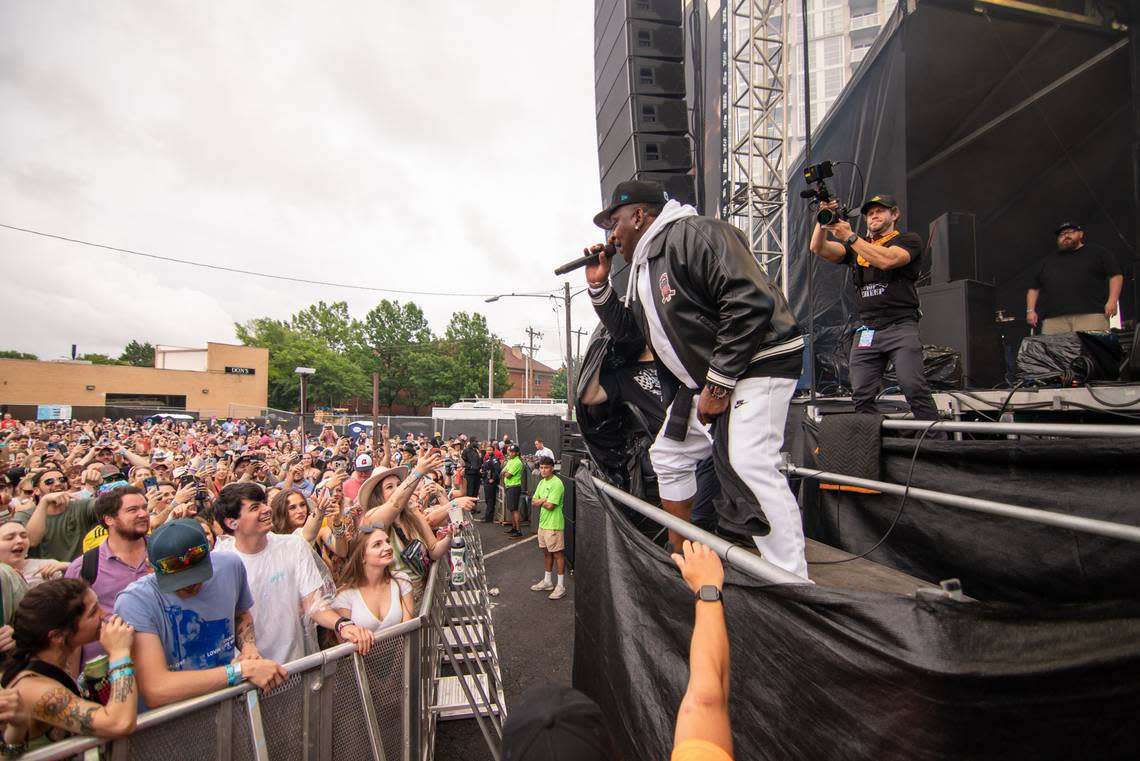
(753, 109)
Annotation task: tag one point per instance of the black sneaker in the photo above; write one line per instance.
(512, 534)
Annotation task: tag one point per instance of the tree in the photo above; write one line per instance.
(99, 359)
(471, 344)
(329, 322)
(558, 384)
(10, 354)
(337, 377)
(137, 354)
(391, 337)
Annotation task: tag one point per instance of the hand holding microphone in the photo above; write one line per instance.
(593, 257)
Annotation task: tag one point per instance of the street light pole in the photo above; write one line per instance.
(303, 372)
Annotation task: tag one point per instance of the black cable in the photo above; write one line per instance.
(1012, 391)
(1119, 405)
(235, 270)
(898, 512)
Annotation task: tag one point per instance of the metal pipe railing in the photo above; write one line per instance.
(738, 557)
(1023, 429)
(1120, 531)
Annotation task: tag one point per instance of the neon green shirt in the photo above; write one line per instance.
(512, 472)
(551, 490)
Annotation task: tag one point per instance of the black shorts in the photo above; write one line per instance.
(512, 499)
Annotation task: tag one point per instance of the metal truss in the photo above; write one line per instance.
(754, 191)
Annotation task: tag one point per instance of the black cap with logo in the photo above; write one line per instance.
(633, 191)
(879, 199)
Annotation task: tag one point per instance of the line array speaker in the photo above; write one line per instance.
(639, 95)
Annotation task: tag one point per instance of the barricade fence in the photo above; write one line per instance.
(336, 703)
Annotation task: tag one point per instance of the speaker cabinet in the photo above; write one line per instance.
(953, 248)
(961, 315)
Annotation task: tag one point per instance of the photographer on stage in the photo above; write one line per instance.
(884, 268)
(719, 327)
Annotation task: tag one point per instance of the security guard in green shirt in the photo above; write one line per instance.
(512, 482)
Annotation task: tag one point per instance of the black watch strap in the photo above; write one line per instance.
(708, 593)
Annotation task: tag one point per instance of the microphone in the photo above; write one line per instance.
(583, 261)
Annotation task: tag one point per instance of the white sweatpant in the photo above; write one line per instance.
(759, 409)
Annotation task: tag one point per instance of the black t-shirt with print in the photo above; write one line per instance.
(884, 297)
(1074, 282)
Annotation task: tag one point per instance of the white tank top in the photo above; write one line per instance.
(359, 611)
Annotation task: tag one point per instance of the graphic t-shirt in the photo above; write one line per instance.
(551, 490)
(512, 472)
(196, 632)
(884, 297)
(280, 577)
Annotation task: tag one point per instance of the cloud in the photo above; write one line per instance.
(445, 146)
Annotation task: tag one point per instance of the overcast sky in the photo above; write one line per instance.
(445, 146)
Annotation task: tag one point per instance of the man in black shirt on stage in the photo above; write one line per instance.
(1075, 279)
(884, 267)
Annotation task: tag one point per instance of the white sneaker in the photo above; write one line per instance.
(558, 593)
(542, 586)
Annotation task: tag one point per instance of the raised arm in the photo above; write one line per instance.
(703, 714)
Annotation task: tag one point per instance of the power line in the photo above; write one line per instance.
(235, 270)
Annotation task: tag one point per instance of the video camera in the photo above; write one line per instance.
(815, 175)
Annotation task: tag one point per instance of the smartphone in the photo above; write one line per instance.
(150, 483)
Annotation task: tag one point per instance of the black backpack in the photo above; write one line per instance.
(89, 571)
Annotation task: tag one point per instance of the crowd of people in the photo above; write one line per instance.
(147, 562)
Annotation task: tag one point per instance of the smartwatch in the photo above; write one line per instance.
(708, 593)
(851, 239)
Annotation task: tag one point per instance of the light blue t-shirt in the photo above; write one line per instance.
(196, 632)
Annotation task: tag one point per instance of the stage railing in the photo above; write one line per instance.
(1087, 430)
(737, 557)
(336, 704)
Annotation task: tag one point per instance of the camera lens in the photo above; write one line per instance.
(825, 216)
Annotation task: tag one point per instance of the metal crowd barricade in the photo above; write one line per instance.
(336, 704)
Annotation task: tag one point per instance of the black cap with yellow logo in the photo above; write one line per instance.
(881, 199)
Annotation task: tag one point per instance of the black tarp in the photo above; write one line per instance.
(819, 673)
(1042, 136)
(545, 427)
(997, 558)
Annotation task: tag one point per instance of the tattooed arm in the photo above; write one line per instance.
(57, 706)
(244, 640)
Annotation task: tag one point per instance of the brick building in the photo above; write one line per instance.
(517, 365)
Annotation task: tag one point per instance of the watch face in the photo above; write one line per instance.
(708, 593)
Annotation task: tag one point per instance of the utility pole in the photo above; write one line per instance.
(531, 334)
(578, 345)
(569, 358)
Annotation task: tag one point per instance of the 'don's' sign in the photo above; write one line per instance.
(239, 370)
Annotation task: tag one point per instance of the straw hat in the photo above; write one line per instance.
(373, 484)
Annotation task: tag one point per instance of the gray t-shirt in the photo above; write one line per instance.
(196, 632)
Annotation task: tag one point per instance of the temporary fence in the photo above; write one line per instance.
(338, 704)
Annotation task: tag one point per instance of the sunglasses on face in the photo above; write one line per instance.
(51, 481)
(176, 563)
(27, 492)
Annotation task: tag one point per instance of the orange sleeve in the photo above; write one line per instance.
(699, 750)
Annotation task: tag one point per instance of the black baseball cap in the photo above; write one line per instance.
(879, 199)
(556, 724)
(633, 191)
(1068, 225)
(514, 448)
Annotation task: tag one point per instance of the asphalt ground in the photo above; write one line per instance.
(534, 635)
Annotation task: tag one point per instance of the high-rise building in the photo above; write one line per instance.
(840, 33)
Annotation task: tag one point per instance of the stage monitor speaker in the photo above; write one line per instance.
(961, 315)
(953, 248)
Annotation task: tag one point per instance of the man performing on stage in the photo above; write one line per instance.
(884, 267)
(718, 326)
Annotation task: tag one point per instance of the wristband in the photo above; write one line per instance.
(119, 662)
(233, 674)
(120, 674)
(343, 622)
(417, 475)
